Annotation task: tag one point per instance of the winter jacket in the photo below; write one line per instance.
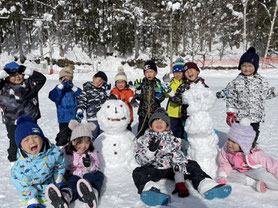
(90, 100)
(75, 163)
(238, 161)
(66, 102)
(22, 99)
(174, 109)
(168, 155)
(246, 96)
(149, 102)
(125, 95)
(177, 98)
(31, 174)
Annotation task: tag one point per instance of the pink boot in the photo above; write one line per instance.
(56, 198)
(87, 193)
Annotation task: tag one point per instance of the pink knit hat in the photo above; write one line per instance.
(243, 134)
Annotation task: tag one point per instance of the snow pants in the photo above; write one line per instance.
(142, 125)
(144, 174)
(177, 127)
(260, 174)
(256, 127)
(12, 150)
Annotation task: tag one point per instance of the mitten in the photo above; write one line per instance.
(36, 206)
(86, 161)
(221, 94)
(3, 74)
(181, 189)
(221, 180)
(134, 103)
(79, 114)
(230, 118)
(26, 71)
(67, 84)
(158, 90)
(154, 144)
(138, 84)
(107, 86)
(166, 87)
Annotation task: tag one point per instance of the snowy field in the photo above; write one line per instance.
(123, 194)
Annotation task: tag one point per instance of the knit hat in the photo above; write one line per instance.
(25, 127)
(102, 75)
(81, 129)
(250, 56)
(160, 113)
(191, 65)
(178, 65)
(67, 71)
(121, 74)
(13, 67)
(150, 65)
(243, 134)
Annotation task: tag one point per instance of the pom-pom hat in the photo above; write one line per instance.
(250, 56)
(120, 75)
(160, 113)
(243, 134)
(178, 65)
(81, 129)
(67, 71)
(25, 127)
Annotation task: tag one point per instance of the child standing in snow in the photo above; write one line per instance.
(65, 97)
(158, 152)
(85, 179)
(149, 92)
(123, 92)
(90, 99)
(245, 95)
(39, 163)
(19, 87)
(241, 163)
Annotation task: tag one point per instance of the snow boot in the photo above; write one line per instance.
(220, 191)
(55, 197)
(260, 186)
(154, 197)
(87, 193)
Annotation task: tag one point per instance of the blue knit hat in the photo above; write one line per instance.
(178, 65)
(250, 56)
(25, 127)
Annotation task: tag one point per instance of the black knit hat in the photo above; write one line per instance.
(102, 75)
(250, 56)
(150, 65)
(160, 113)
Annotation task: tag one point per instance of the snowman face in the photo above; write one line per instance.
(114, 116)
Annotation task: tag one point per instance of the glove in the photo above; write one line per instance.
(221, 180)
(86, 161)
(134, 103)
(113, 97)
(166, 78)
(107, 86)
(138, 84)
(166, 87)
(230, 118)
(79, 115)
(181, 189)
(221, 94)
(3, 74)
(26, 71)
(67, 84)
(158, 90)
(154, 144)
(36, 206)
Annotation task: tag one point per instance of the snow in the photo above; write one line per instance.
(121, 192)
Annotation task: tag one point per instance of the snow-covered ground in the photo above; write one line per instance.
(124, 195)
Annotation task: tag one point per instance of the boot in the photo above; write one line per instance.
(154, 197)
(87, 193)
(56, 198)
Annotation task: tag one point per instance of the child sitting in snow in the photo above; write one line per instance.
(158, 152)
(241, 163)
(123, 92)
(39, 163)
(85, 179)
(65, 97)
(90, 99)
(18, 97)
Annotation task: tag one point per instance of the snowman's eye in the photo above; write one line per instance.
(121, 106)
(108, 106)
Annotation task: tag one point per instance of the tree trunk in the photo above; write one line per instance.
(136, 40)
(41, 43)
(18, 42)
(244, 4)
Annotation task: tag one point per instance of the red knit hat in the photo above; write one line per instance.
(191, 65)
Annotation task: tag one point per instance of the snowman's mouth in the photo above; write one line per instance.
(117, 119)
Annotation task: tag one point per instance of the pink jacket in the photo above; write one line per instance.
(238, 161)
(75, 163)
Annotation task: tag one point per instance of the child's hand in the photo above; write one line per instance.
(221, 180)
(134, 103)
(138, 84)
(166, 87)
(36, 206)
(107, 86)
(181, 189)
(79, 115)
(158, 90)
(67, 84)
(3, 74)
(230, 118)
(154, 144)
(166, 78)
(86, 161)
(221, 94)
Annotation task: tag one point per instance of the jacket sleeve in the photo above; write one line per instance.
(143, 155)
(95, 166)
(177, 98)
(82, 100)
(225, 167)
(56, 95)
(39, 79)
(60, 164)
(231, 98)
(130, 95)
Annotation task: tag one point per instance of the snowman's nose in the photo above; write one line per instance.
(116, 110)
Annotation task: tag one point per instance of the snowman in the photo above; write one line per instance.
(203, 142)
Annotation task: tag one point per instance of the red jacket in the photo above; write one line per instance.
(125, 95)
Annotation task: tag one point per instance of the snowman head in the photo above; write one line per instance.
(113, 117)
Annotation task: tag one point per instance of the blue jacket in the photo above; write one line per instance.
(66, 103)
(31, 174)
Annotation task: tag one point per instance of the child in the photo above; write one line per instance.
(91, 98)
(241, 163)
(18, 96)
(174, 109)
(123, 92)
(247, 93)
(65, 97)
(39, 163)
(85, 179)
(158, 152)
(149, 92)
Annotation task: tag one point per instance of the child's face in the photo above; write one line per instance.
(233, 146)
(247, 69)
(66, 78)
(98, 82)
(82, 146)
(178, 75)
(16, 78)
(150, 74)
(159, 125)
(120, 84)
(32, 144)
(191, 74)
